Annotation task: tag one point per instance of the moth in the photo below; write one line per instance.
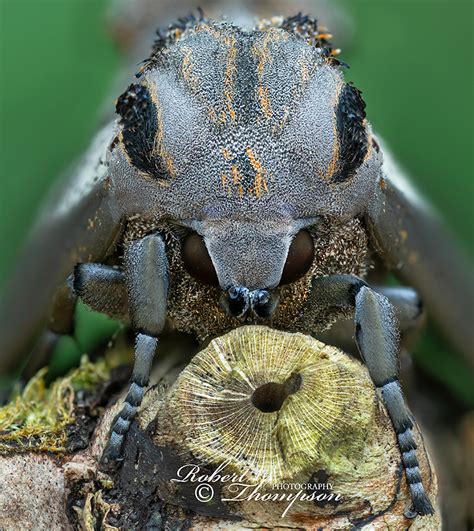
(241, 182)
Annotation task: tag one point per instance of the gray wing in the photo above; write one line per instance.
(417, 247)
(78, 225)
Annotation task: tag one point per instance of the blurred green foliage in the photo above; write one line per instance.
(413, 60)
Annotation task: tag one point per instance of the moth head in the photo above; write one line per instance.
(245, 125)
(248, 261)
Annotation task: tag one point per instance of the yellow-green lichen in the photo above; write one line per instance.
(38, 418)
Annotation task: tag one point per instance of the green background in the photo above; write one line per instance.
(412, 60)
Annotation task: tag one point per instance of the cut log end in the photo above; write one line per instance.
(261, 428)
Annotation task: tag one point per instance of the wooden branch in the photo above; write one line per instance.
(261, 429)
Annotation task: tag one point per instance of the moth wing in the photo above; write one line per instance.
(78, 224)
(414, 243)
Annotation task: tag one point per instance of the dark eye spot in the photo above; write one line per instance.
(197, 261)
(139, 130)
(299, 259)
(351, 132)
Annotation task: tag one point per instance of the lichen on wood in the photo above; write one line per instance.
(273, 404)
(40, 416)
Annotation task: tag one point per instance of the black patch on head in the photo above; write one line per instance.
(351, 132)
(139, 122)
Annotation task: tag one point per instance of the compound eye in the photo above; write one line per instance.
(300, 257)
(197, 261)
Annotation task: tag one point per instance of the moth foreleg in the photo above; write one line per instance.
(146, 277)
(378, 341)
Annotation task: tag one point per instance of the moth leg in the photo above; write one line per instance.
(378, 342)
(61, 322)
(406, 301)
(408, 306)
(377, 339)
(102, 288)
(340, 290)
(146, 274)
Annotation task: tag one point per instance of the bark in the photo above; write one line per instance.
(260, 429)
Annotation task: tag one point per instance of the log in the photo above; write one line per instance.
(261, 428)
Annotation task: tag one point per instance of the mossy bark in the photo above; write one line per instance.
(215, 446)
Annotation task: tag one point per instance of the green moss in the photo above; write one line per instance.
(38, 418)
